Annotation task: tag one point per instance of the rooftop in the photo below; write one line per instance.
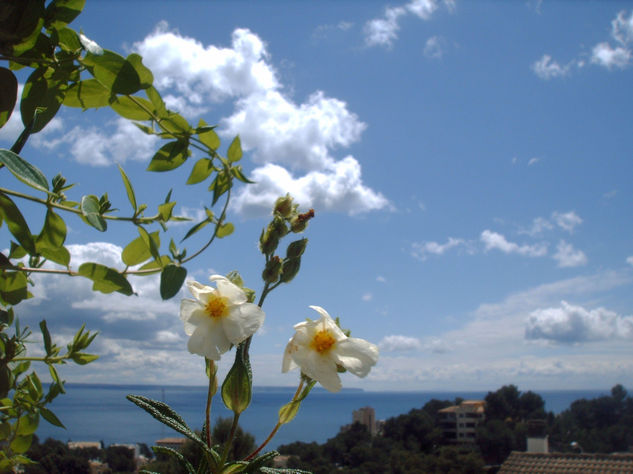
(550, 463)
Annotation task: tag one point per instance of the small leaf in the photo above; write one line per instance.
(197, 227)
(170, 156)
(60, 255)
(171, 279)
(46, 336)
(82, 358)
(132, 108)
(225, 230)
(114, 72)
(53, 234)
(176, 124)
(160, 109)
(90, 209)
(62, 12)
(8, 94)
(156, 265)
(236, 171)
(220, 185)
(128, 188)
(21, 444)
(51, 417)
(23, 170)
(13, 287)
(16, 223)
(87, 94)
(208, 136)
(145, 75)
(152, 245)
(200, 171)
(27, 424)
(135, 252)
(105, 279)
(235, 150)
(165, 210)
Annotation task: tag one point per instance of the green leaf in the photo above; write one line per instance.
(87, 94)
(167, 416)
(237, 387)
(13, 287)
(90, 209)
(220, 185)
(8, 94)
(201, 171)
(259, 461)
(176, 124)
(236, 171)
(51, 417)
(152, 245)
(145, 75)
(179, 457)
(62, 12)
(132, 108)
(105, 279)
(128, 188)
(23, 170)
(27, 424)
(46, 336)
(235, 150)
(207, 135)
(68, 39)
(165, 210)
(138, 251)
(225, 230)
(16, 223)
(171, 279)
(290, 409)
(82, 358)
(114, 72)
(21, 444)
(41, 98)
(170, 156)
(53, 234)
(160, 109)
(198, 226)
(60, 255)
(156, 265)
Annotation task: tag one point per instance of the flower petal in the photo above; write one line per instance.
(356, 355)
(229, 290)
(209, 340)
(199, 291)
(242, 322)
(287, 363)
(321, 368)
(327, 323)
(191, 312)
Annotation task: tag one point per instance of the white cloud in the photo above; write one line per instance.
(434, 48)
(339, 188)
(567, 256)
(629, 260)
(567, 221)
(533, 161)
(494, 240)
(367, 297)
(605, 55)
(384, 31)
(571, 324)
(622, 28)
(539, 225)
(546, 68)
(421, 250)
(399, 343)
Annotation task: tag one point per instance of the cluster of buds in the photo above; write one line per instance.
(286, 219)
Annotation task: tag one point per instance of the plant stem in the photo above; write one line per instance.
(229, 441)
(210, 394)
(275, 429)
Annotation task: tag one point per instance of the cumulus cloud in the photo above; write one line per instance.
(494, 240)
(383, 31)
(434, 48)
(572, 324)
(291, 142)
(547, 68)
(605, 55)
(421, 250)
(567, 256)
(563, 220)
(399, 343)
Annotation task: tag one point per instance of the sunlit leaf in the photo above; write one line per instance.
(145, 75)
(90, 209)
(51, 417)
(53, 233)
(200, 171)
(135, 108)
(62, 12)
(128, 188)
(169, 156)
(138, 251)
(13, 287)
(235, 150)
(59, 255)
(114, 72)
(27, 424)
(225, 230)
(16, 223)
(207, 135)
(21, 444)
(87, 94)
(105, 279)
(43, 94)
(23, 170)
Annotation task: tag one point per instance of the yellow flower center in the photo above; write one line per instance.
(322, 341)
(218, 306)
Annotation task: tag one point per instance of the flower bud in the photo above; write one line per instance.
(272, 270)
(283, 206)
(268, 242)
(290, 269)
(278, 227)
(296, 248)
(300, 221)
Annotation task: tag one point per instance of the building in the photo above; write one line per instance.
(173, 443)
(459, 422)
(366, 416)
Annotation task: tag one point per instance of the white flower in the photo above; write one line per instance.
(319, 347)
(218, 317)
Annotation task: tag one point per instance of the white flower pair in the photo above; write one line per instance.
(221, 316)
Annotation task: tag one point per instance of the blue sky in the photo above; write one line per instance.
(469, 164)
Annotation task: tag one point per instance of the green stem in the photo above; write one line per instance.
(210, 393)
(229, 441)
(275, 429)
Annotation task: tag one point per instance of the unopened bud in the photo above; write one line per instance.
(268, 242)
(278, 227)
(290, 269)
(296, 248)
(283, 206)
(300, 221)
(273, 269)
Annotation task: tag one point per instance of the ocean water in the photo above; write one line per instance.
(102, 413)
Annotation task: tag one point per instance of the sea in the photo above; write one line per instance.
(93, 412)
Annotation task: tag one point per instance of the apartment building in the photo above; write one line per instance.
(459, 422)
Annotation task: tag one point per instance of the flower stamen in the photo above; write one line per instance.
(322, 341)
(217, 307)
